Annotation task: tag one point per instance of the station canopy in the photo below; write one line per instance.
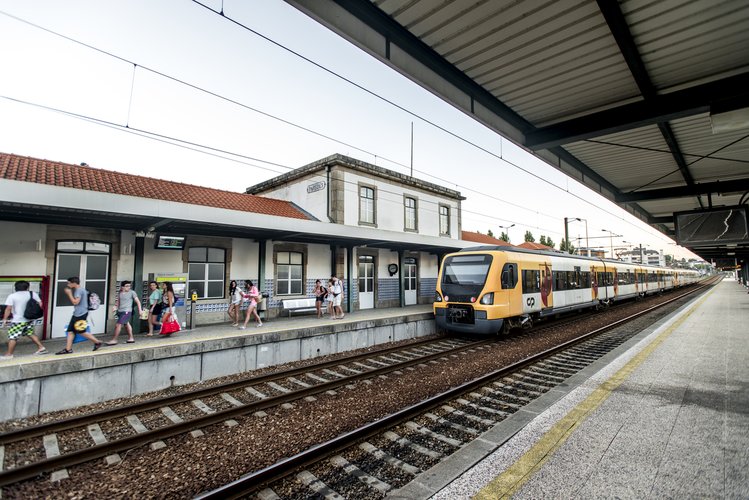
(645, 102)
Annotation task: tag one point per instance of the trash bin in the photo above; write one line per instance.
(262, 310)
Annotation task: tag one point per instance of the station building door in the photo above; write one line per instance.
(90, 262)
(366, 281)
(409, 281)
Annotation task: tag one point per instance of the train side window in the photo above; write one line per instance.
(531, 281)
(509, 276)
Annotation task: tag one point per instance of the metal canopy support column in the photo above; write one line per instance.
(140, 246)
(401, 279)
(261, 256)
(349, 273)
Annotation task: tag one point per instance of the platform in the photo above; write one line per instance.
(665, 416)
(31, 384)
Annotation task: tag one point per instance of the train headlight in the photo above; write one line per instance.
(488, 299)
(438, 297)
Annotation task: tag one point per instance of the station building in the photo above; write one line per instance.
(383, 233)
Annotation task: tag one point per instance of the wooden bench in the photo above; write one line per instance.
(299, 305)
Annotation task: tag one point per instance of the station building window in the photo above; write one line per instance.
(410, 220)
(205, 271)
(367, 205)
(289, 273)
(444, 212)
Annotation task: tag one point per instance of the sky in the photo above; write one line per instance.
(174, 90)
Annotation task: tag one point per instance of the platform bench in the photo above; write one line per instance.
(299, 305)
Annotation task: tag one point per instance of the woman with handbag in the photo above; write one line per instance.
(169, 321)
(154, 307)
(252, 294)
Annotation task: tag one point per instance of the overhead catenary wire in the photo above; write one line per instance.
(306, 129)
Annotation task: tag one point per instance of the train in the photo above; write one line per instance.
(494, 289)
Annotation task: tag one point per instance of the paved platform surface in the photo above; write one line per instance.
(667, 418)
(25, 348)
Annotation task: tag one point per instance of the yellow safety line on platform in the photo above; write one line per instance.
(511, 480)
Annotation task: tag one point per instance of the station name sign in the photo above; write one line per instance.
(317, 186)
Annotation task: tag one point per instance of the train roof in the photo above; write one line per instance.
(497, 248)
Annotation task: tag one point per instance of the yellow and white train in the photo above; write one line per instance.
(491, 289)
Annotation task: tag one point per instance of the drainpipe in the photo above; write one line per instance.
(327, 187)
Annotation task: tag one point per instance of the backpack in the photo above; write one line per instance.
(33, 309)
(93, 301)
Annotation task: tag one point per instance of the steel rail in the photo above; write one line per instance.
(17, 474)
(155, 403)
(254, 480)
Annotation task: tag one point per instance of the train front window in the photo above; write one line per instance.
(466, 269)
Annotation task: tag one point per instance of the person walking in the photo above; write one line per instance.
(154, 306)
(124, 310)
(235, 302)
(253, 296)
(329, 299)
(320, 292)
(79, 298)
(20, 325)
(337, 298)
(167, 298)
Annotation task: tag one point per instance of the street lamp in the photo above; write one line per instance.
(508, 230)
(566, 232)
(611, 239)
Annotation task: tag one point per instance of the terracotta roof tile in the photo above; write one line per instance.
(482, 238)
(27, 169)
(535, 246)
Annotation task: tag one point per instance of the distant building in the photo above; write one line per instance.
(643, 256)
(590, 252)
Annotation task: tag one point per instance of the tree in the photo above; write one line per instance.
(566, 246)
(490, 234)
(545, 240)
(669, 259)
(529, 237)
(504, 237)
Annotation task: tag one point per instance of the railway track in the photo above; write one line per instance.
(51, 448)
(377, 458)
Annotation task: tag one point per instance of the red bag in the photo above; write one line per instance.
(169, 324)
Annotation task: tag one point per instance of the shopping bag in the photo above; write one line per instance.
(144, 314)
(78, 337)
(169, 324)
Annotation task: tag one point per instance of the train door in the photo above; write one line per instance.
(409, 281)
(598, 288)
(90, 262)
(366, 281)
(577, 295)
(546, 290)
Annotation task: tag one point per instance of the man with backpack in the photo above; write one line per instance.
(17, 303)
(79, 298)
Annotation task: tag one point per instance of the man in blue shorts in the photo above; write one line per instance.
(79, 298)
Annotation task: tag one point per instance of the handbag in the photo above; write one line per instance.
(144, 314)
(169, 324)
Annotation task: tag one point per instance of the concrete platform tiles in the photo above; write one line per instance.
(667, 418)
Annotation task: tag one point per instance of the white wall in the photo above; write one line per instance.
(18, 249)
(389, 205)
(160, 261)
(318, 262)
(315, 203)
(244, 259)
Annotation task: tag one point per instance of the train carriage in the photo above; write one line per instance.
(493, 289)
